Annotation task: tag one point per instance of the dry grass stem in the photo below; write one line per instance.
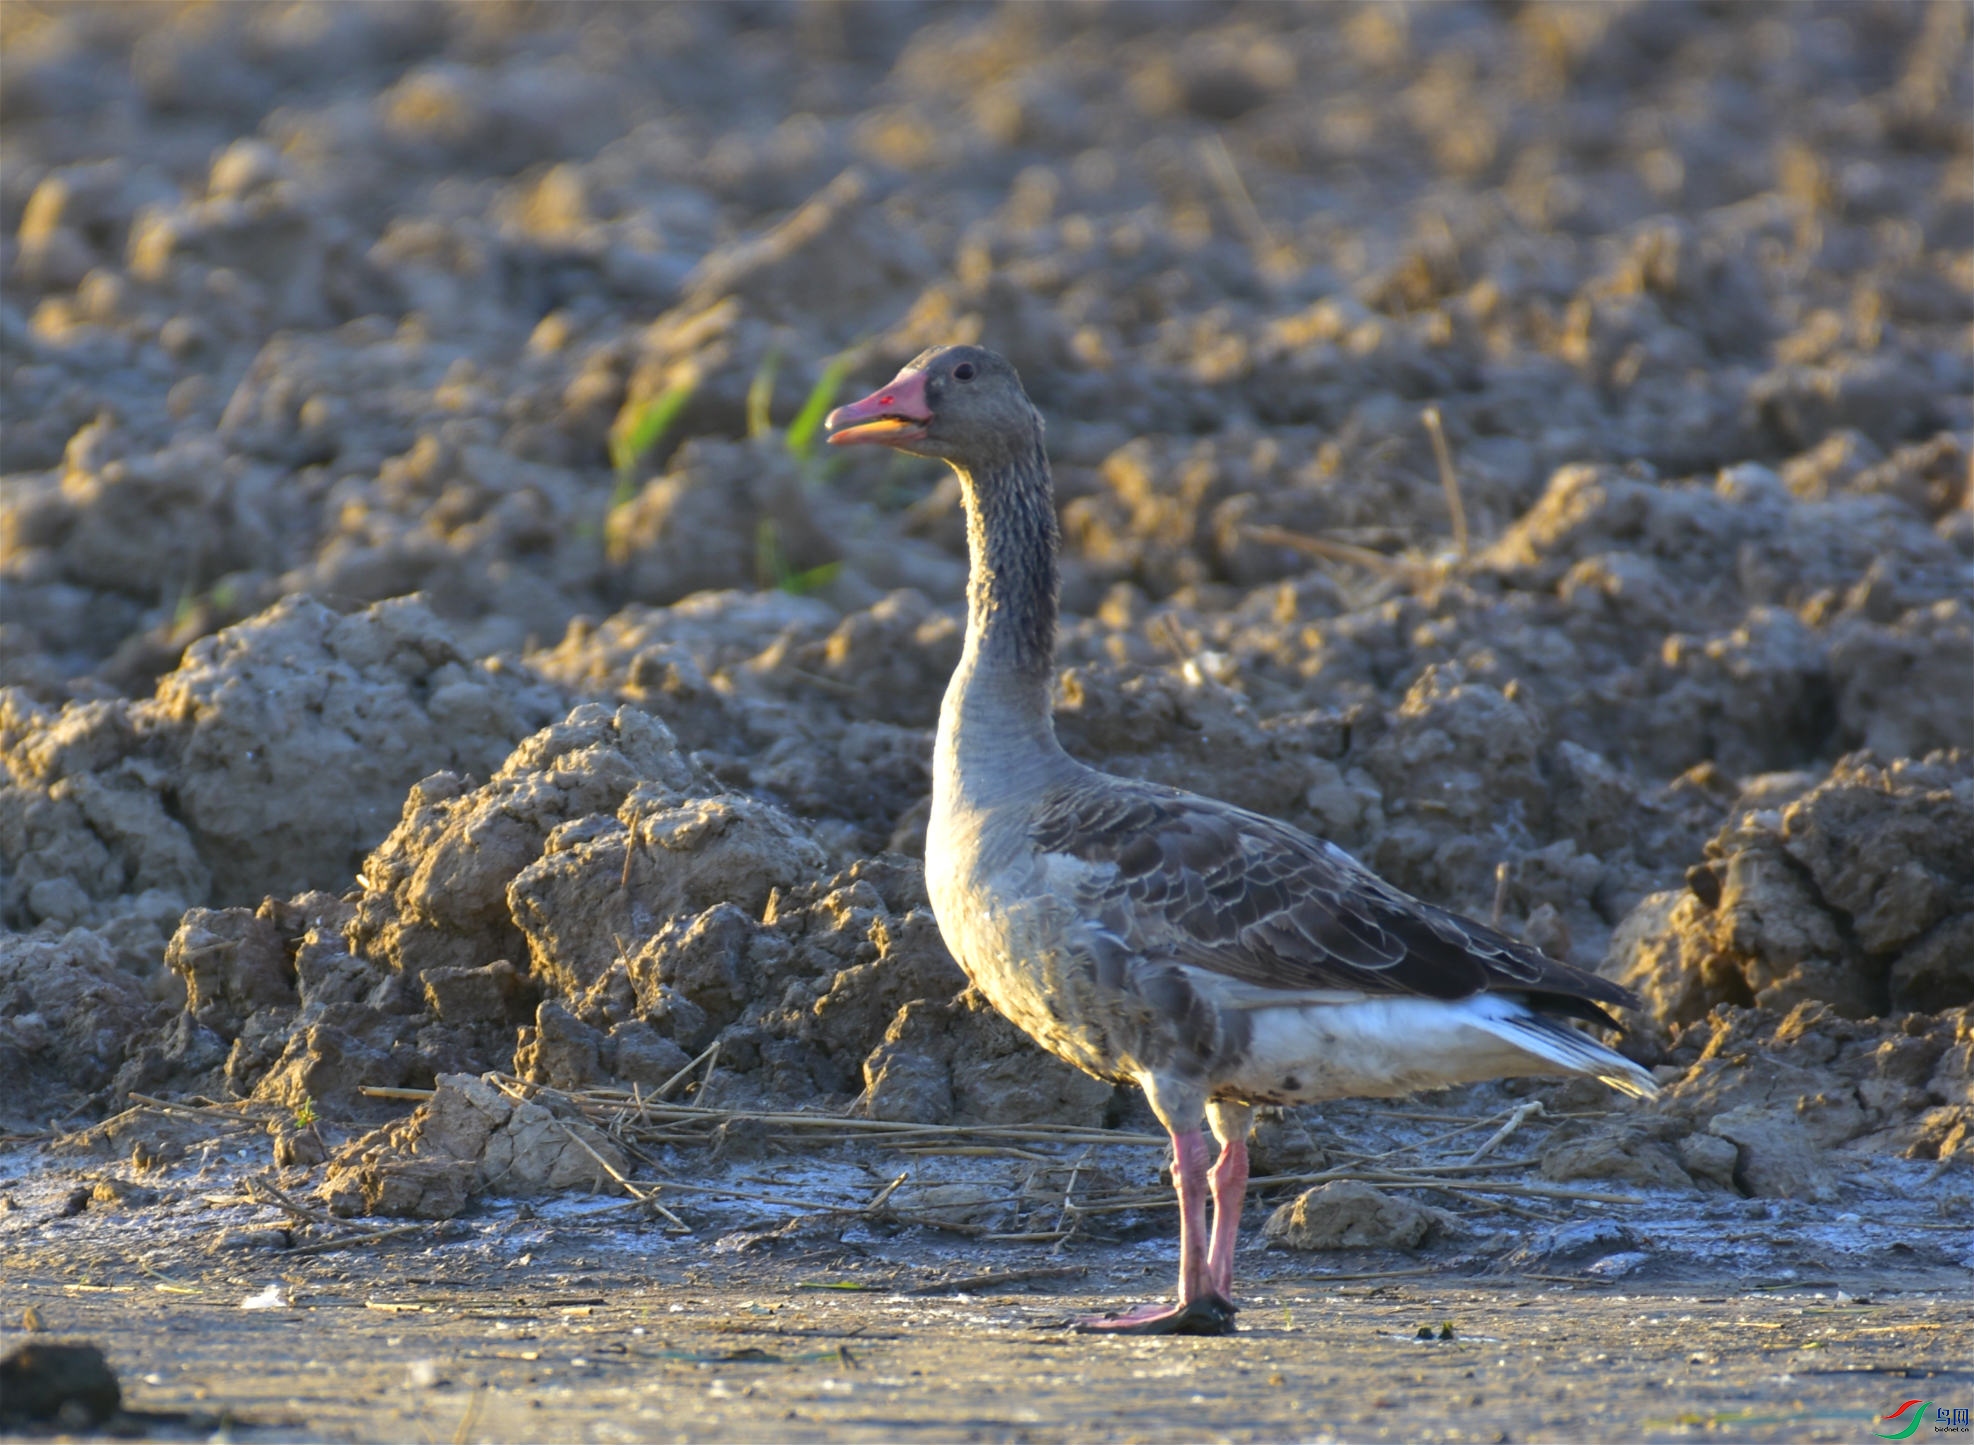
(629, 1188)
(1466, 1128)
(817, 1206)
(472, 1415)
(357, 1237)
(1523, 1113)
(1355, 1276)
(1396, 569)
(879, 1199)
(994, 1280)
(281, 1200)
(639, 1122)
(1233, 189)
(1449, 481)
(706, 1055)
(230, 1118)
(1388, 1178)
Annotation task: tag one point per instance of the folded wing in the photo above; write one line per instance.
(1186, 878)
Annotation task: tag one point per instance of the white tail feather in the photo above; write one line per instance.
(1552, 1039)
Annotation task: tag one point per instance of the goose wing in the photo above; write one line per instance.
(1200, 882)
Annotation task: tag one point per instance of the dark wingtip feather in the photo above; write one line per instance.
(1575, 1006)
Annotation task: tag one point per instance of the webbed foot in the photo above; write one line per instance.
(1207, 1315)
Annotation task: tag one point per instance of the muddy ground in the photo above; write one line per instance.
(679, 1354)
(1654, 1318)
(446, 694)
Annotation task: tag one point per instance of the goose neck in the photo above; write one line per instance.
(1012, 579)
(998, 707)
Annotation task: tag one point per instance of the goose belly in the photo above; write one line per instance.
(1370, 1048)
(1018, 958)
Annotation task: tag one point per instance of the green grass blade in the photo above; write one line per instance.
(801, 584)
(641, 427)
(769, 568)
(761, 395)
(802, 432)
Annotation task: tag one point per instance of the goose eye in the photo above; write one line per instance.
(964, 371)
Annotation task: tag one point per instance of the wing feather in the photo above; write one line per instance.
(1203, 883)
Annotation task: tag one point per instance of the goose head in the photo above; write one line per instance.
(962, 404)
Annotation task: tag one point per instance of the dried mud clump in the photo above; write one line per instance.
(373, 700)
(1858, 893)
(1793, 1089)
(720, 511)
(840, 988)
(1723, 623)
(470, 1138)
(1345, 1214)
(828, 713)
(436, 891)
(961, 1062)
(476, 915)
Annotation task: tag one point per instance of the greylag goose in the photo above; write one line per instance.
(1217, 958)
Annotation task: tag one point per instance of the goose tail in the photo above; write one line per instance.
(1511, 1019)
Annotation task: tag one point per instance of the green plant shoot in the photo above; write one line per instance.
(771, 567)
(761, 395)
(807, 426)
(640, 428)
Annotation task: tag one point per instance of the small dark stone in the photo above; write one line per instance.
(58, 1382)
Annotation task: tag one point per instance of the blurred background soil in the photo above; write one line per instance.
(433, 643)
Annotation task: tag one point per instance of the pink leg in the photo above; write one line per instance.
(1189, 1182)
(1201, 1310)
(1229, 1190)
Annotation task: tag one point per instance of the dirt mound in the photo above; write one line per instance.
(1863, 1087)
(719, 512)
(828, 713)
(1856, 890)
(598, 913)
(67, 1013)
(436, 891)
(480, 903)
(1782, 1107)
(269, 761)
